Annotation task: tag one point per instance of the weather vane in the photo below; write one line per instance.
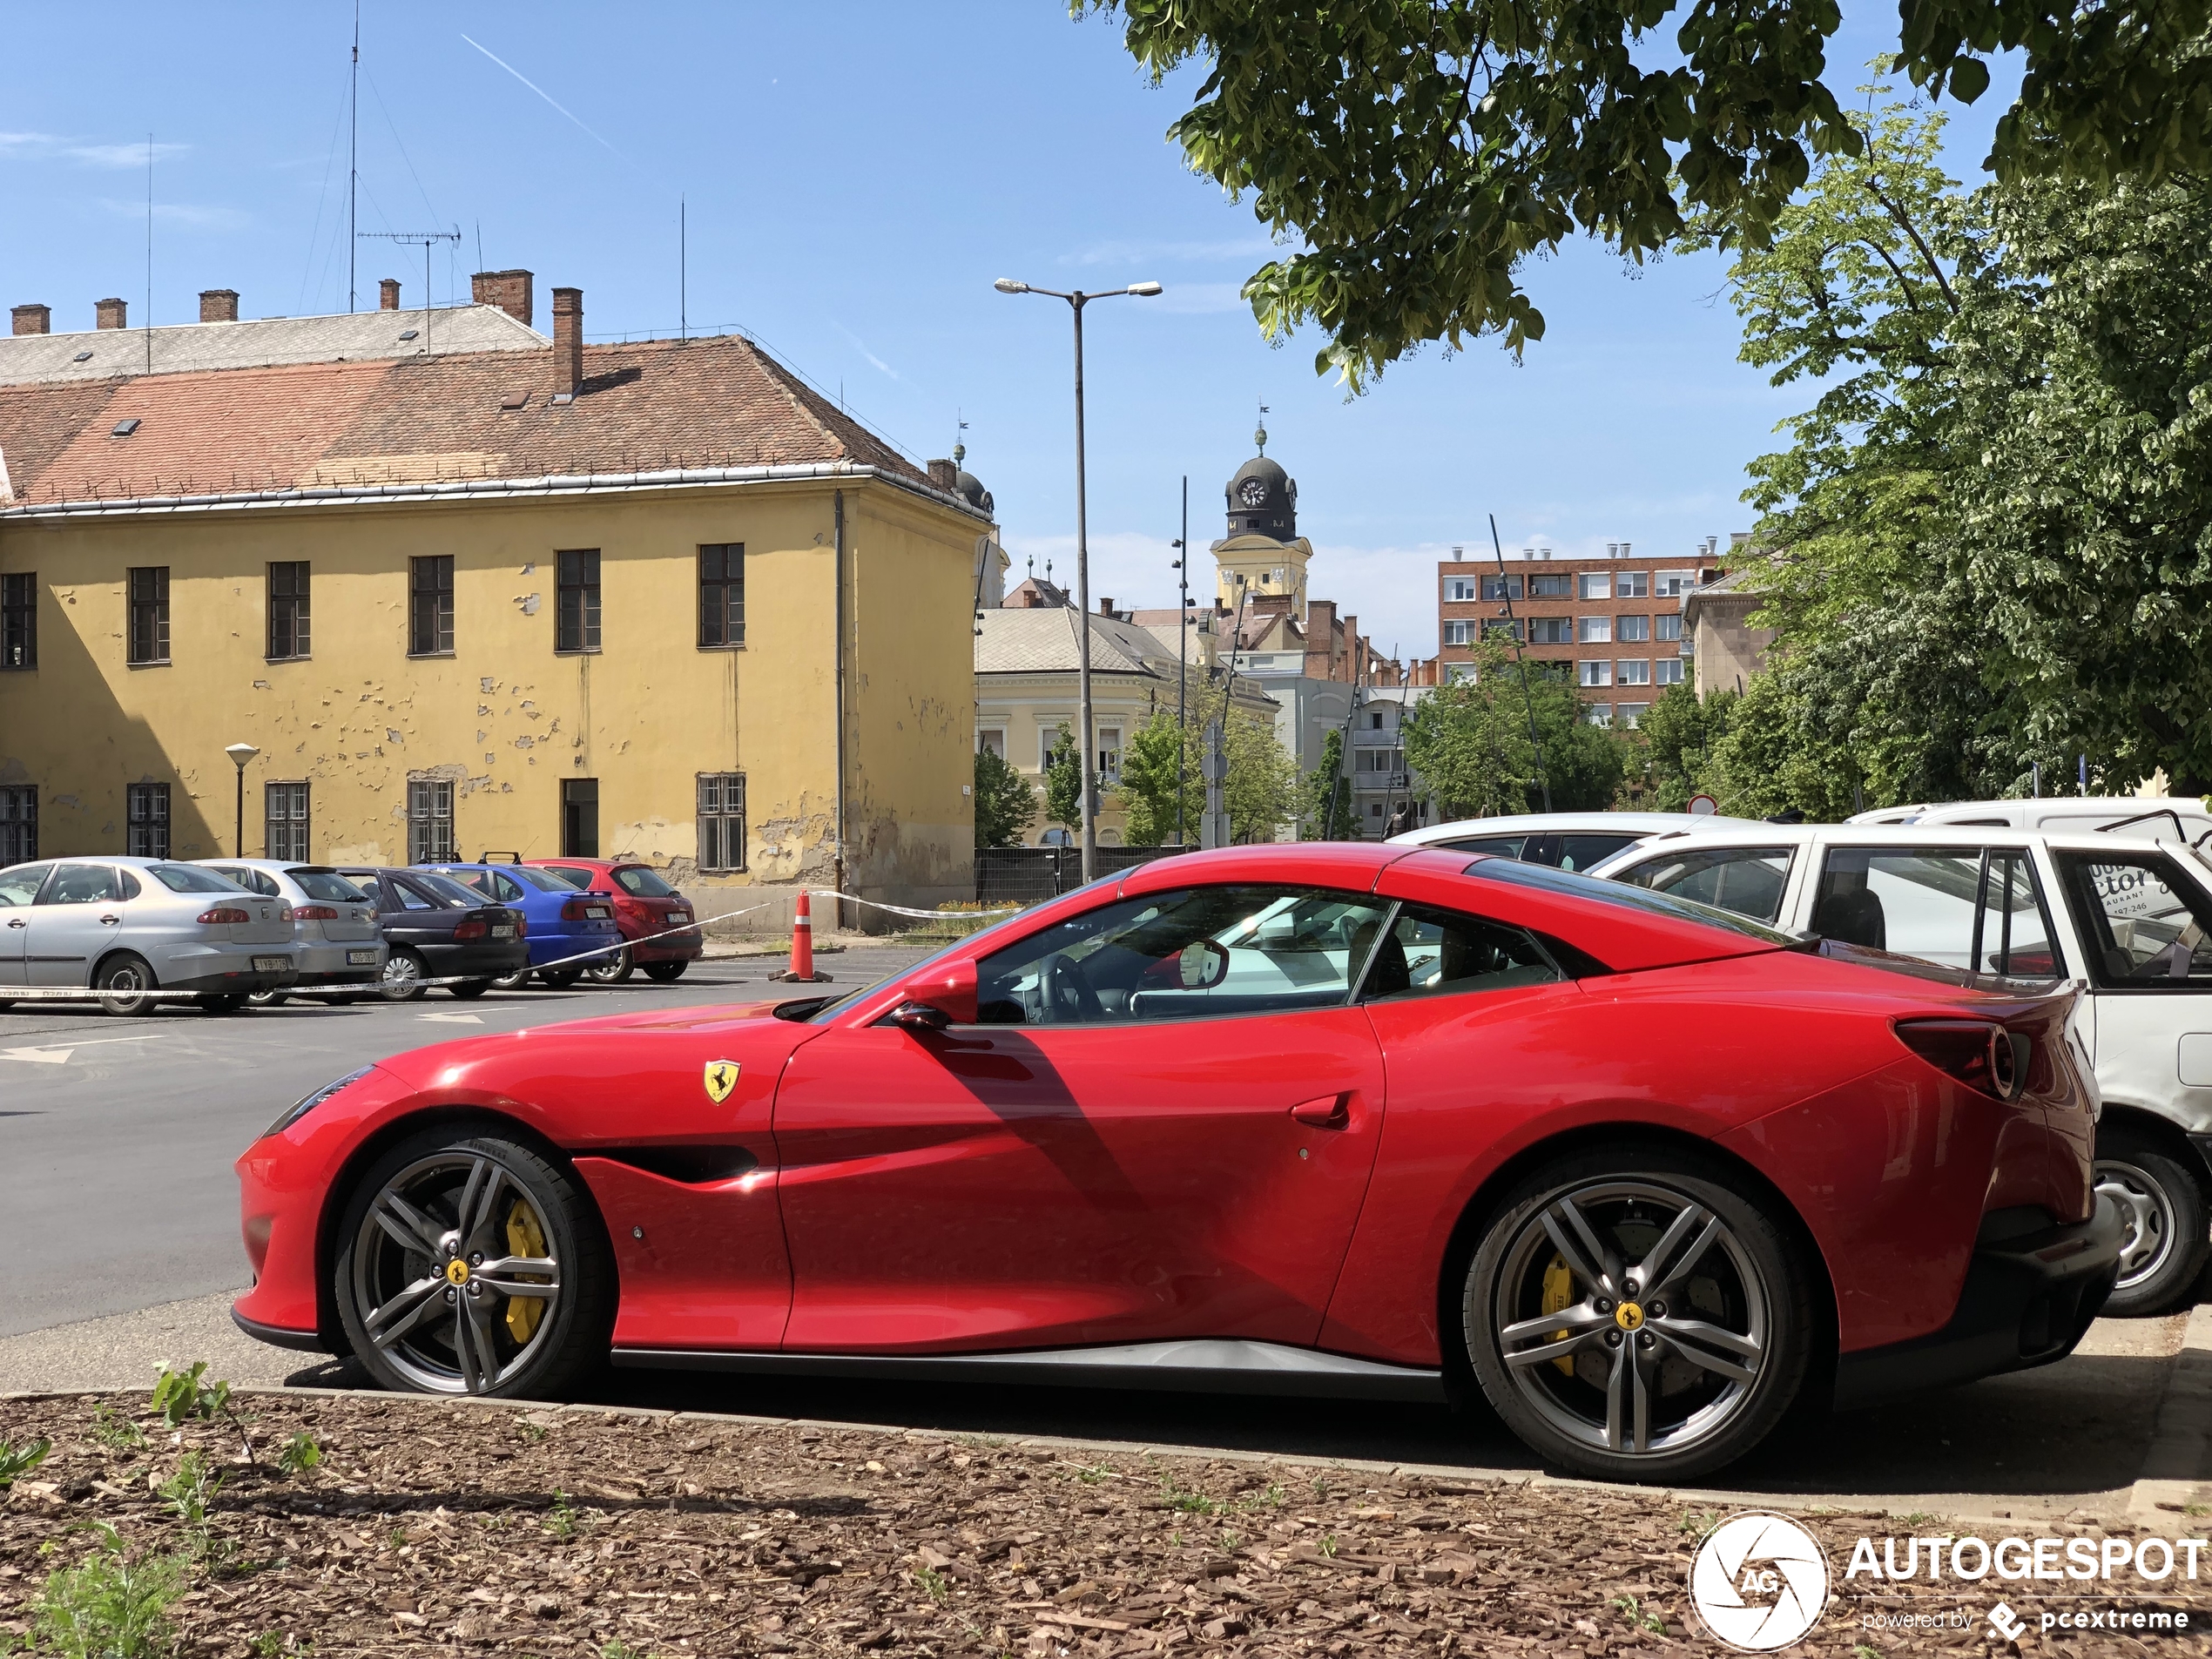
(1259, 436)
(960, 449)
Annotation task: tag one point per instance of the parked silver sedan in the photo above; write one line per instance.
(336, 941)
(133, 928)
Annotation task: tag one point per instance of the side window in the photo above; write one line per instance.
(1441, 953)
(1747, 879)
(20, 886)
(2144, 921)
(369, 887)
(1932, 904)
(1502, 846)
(409, 898)
(505, 888)
(1579, 852)
(1196, 953)
(84, 884)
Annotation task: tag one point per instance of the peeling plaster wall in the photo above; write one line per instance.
(505, 717)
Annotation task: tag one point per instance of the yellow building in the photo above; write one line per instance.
(657, 601)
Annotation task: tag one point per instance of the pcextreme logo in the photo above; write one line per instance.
(1759, 1582)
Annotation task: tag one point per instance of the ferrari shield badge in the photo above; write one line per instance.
(721, 1078)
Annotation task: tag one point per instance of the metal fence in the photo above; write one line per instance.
(1030, 874)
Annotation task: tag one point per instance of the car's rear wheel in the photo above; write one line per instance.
(469, 989)
(469, 1265)
(513, 981)
(610, 970)
(124, 981)
(2168, 1234)
(560, 978)
(265, 999)
(1634, 1315)
(403, 976)
(225, 1002)
(662, 973)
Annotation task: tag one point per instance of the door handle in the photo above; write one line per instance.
(1331, 1112)
(17, 921)
(109, 922)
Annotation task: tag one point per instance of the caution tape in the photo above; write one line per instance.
(904, 910)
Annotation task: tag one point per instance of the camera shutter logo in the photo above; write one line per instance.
(1759, 1582)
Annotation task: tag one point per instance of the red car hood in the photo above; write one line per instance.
(461, 1063)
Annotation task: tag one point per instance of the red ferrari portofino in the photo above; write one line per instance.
(1336, 1119)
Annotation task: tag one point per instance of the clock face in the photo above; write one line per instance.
(1253, 493)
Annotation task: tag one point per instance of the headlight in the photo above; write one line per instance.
(305, 1103)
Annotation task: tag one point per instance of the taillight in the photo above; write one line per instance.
(573, 910)
(313, 912)
(1977, 1052)
(474, 927)
(224, 915)
(522, 926)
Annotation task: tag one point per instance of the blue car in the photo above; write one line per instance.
(562, 926)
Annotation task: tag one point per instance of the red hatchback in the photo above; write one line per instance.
(654, 917)
(1328, 1119)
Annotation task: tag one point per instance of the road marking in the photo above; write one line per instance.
(453, 1019)
(51, 1054)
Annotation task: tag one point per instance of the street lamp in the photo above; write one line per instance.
(239, 754)
(1088, 756)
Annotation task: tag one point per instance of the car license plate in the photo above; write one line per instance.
(361, 958)
(678, 916)
(507, 932)
(595, 912)
(271, 964)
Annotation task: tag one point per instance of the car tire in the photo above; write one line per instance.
(126, 983)
(1614, 1391)
(403, 977)
(665, 973)
(266, 999)
(559, 979)
(469, 989)
(406, 1255)
(226, 1002)
(519, 980)
(2168, 1233)
(611, 970)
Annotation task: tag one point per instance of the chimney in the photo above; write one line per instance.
(510, 290)
(1624, 550)
(110, 314)
(568, 341)
(944, 475)
(1105, 607)
(34, 319)
(387, 294)
(219, 305)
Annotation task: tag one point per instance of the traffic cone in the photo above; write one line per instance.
(802, 947)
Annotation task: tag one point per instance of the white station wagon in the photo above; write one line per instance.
(2128, 919)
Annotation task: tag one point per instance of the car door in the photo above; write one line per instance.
(1163, 1127)
(18, 887)
(76, 919)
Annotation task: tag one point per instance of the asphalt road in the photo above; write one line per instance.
(118, 1135)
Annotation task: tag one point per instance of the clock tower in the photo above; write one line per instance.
(1263, 558)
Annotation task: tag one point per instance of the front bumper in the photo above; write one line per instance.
(278, 1337)
(2027, 1301)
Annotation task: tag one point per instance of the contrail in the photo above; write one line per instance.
(541, 92)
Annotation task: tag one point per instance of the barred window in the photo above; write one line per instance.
(576, 592)
(288, 822)
(722, 821)
(429, 821)
(149, 638)
(429, 606)
(147, 808)
(18, 621)
(288, 610)
(19, 825)
(722, 594)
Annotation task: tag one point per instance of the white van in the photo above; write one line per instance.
(2181, 818)
(2128, 919)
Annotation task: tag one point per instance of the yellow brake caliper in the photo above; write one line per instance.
(526, 1237)
(1559, 1292)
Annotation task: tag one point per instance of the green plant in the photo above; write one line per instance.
(1005, 805)
(934, 1584)
(1697, 1521)
(1231, 1538)
(1329, 1545)
(1271, 1497)
(1091, 1474)
(110, 1605)
(21, 1459)
(191, 1488)
(620, 1649)
(1185, 1500)
(1321, 1486)
(112, 1429)
(1637, 1616)
(562, 1523)
(182, 1398)
(300, 1454)
(271, 1644)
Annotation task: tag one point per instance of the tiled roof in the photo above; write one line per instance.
(1043, 641)
(648, 406)
(183, 347)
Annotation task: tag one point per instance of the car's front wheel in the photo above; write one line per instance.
(469, 1265)
(402, 977)
(2166, 1233)
(124, 981)
(611, 969)
(666, 973)
(1634, 1315)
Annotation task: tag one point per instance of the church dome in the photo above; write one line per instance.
(972, 491)
(1262, 501)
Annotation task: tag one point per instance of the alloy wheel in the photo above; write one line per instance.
(1631, 1318)
(402, 976)
(2147, 1217)
(454, 1274)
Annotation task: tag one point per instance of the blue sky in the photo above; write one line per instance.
(856, 176)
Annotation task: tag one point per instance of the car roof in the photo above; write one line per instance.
(1895, 834)
(1539, 823)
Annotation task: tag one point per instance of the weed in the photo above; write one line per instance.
(1329, 1545)
(21, 1459)
(399, 1538)
(110, 1606)
(115, 1431)
(1091, 1474)
(562, 1522)
(934, 1584)
(274, 1644)
(1637, 1616)
(1271, 1499)
(1232, 1539)
(1919, 1518)
(619, 1649)
(534, 1433)
(182, 1398)
(1321, 1486)
(192, 1490)
(1693, 1521)
(1185, 1502)
(300, 1454)
(2196, 1509)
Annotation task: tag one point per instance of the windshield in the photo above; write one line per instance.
(186, 878)
(447, 891)
(327, 884)
(819, 1013)
(1626, 898)
(544, 880)
(569, 875)
(642, 883)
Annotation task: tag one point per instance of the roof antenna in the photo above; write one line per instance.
(480, 248)
(683, 272)
(149, 253)
(429, 238)
(353, 165)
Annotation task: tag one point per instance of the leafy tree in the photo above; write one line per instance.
(1005, 805)
(1158, 768)
(1261, 791)
(1678, 732)
(1412, 156)
(1469, 740)
(1063, 782)
(1328, 808)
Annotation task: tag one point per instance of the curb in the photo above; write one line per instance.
(2178, 1467)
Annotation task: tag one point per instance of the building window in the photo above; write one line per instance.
(150, 614)
(991, 742)
(1503, 628)
(288, 610)
(19, 825)
(577, 593)
(148, 809)
(18, 621)
(1634, 671)
(1632, 584)
(1597, 673)
(1551, 631)
(721, 593)
(1456, 673)
(579, 818)
(1555, 584)
(1597, 714)
(429, 606)
(1597, 584)
(1672, 585)
(286, 809)
(1670, 626)
(1378, 761)
(1634, 630)
(1109, 754)
(1459, 590)
(1459, 633)
(1594, 631)
(1670, 672)
(722, 821)
(1374, 719)
(1631, 713)
(1495, 588)
(429, 821)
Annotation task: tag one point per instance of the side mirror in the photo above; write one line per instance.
(947, 993)
(919, 1017)
(1203, 964)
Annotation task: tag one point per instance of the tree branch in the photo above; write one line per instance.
(1906, 224)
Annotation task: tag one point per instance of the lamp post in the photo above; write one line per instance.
(1087, 757)
(1182, 656)
(239, 754)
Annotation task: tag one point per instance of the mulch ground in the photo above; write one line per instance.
(623, 1535)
